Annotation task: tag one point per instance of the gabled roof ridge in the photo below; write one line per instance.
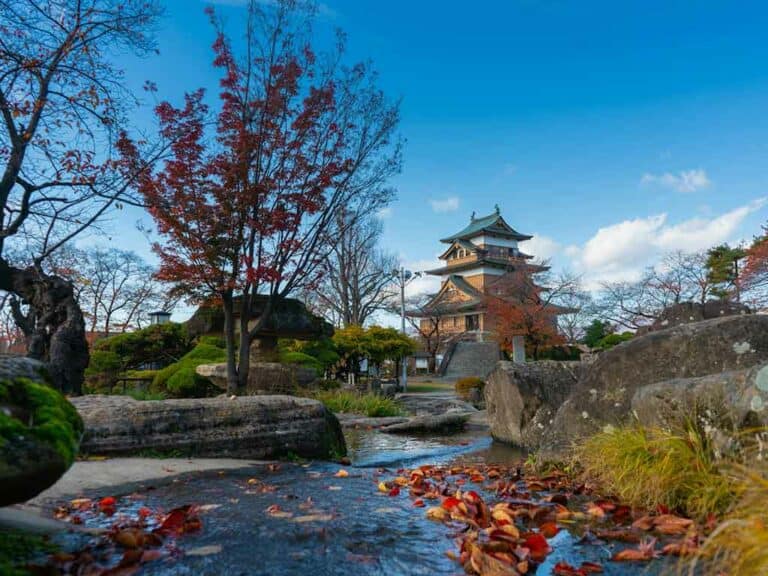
(486, 223)
(463, 243)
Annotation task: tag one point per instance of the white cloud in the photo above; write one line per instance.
(621, 251)
(384, 213)
(542, 247)
(426, 283)
(450, 204)
(684, 181)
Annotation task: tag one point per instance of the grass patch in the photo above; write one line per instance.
(739, 544)
(652, 467)
(353, 403)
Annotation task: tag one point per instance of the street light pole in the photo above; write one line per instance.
(404, 276)
(402, 326)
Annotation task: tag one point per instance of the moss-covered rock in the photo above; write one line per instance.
(180, 379)
(39, 431)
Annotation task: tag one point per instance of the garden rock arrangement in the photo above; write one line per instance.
(603, 397)
(448, 422)
(264, 377)
(689, 312)
(261, 427)
(522, 399)
(39, 430)
(432, 404)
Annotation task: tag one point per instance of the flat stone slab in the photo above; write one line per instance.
(100, 477)
(357, 421)
(432, 403)
(450, 421)
(260, 427)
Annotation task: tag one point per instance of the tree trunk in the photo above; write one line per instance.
(229, 338)
(58, 335)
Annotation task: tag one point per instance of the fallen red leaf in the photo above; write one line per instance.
(549, 529)
(450, 502)
(538, 546)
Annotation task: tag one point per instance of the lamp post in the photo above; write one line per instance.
(403, 277)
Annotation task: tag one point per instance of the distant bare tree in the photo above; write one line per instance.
(357, 274)
(11, 335)
(568, 293)
(426, 321)
(117, 289)
(62, 102)
(678, 277)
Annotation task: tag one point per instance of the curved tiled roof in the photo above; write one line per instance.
(488, 261)
(492, 224)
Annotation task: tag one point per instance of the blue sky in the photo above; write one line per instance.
(614, 131)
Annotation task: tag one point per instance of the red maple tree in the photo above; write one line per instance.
(246, 211)
(755, 273)
(517, 306)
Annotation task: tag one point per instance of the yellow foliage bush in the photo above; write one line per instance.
(464, 386)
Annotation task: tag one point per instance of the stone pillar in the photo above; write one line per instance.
(264, 349)
(518, 349)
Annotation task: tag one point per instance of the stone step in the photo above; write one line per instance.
(473, 359)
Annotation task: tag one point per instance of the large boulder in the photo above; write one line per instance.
(289, 319)
(721, 405)
(522, 399)
(264, 377)
(261, 427)
(39, 430)
(603, 396)
(689, 312)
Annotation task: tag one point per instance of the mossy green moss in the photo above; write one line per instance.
(180, 379)
(49, 417)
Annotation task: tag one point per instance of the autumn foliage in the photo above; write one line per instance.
(756, 263)
(517, 306)
(246, 199)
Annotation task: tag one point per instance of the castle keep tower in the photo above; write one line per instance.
(476, 257)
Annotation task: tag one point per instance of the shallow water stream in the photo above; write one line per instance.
(337, 525)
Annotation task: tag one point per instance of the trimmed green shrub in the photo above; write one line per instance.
(102, 371)
(146, 374)
(180, 379)
(323, 350)
(614, 340)
(159, 343)
(464, 386)
(303, 360)
(217, 341)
